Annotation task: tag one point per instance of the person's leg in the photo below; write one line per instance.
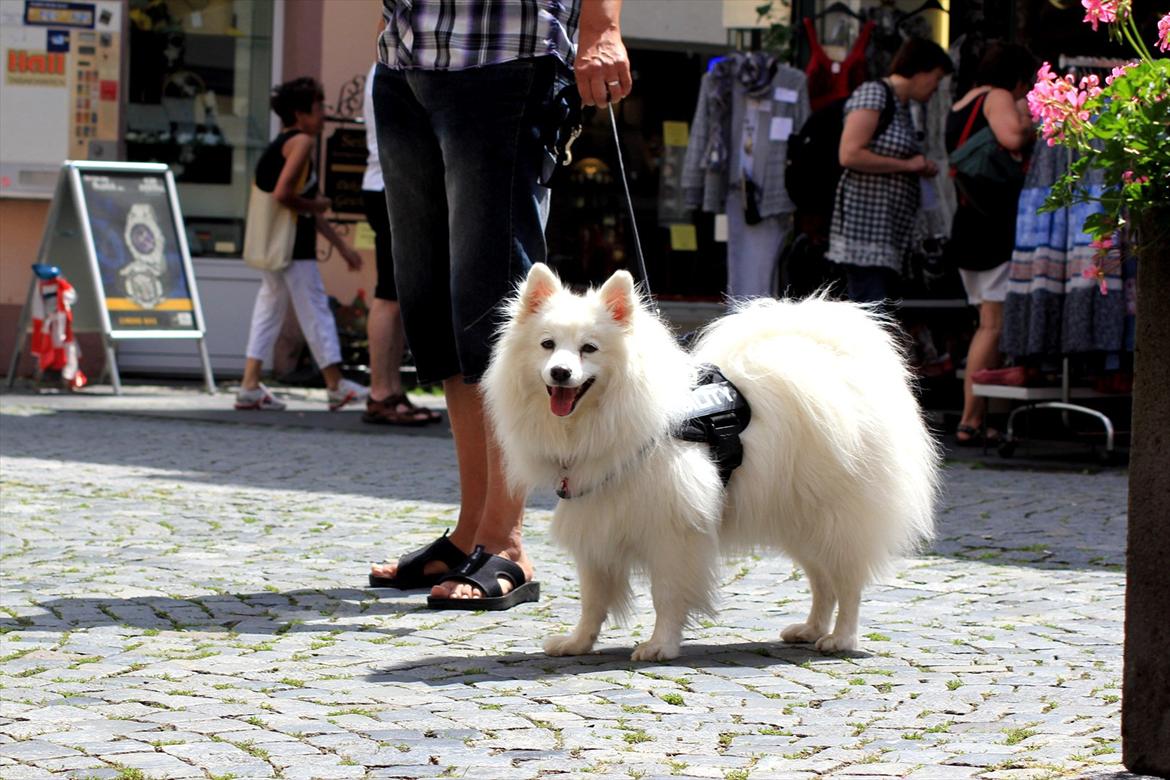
(267, 316)
(311, 306)
(489, 513)
(384, 330)
(487, 125)
(413, 170)
(983, 353)
(384, 321)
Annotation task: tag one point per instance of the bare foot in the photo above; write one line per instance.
(465, 590)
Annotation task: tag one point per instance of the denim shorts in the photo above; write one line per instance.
(461, 158)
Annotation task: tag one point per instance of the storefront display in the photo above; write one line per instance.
(197, 100)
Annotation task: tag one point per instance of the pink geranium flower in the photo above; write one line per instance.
(1100, 11)
(1164, 33)
(1059, 103)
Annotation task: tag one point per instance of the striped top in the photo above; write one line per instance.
(460, 34)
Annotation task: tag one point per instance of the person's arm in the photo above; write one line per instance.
(1009, 126)
(296, 157)
(348, 253)
(860, 126)
(602, 64)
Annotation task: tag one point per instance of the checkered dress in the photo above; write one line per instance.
(460, 34)
(873, 215)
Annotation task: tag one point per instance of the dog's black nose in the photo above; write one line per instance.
(560, 374)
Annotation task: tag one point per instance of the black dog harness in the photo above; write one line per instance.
(717, 417)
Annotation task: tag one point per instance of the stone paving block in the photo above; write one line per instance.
(214, 571)
(158, 765)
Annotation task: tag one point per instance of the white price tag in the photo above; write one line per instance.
(781, 128)
(784, 95)
(721, 227)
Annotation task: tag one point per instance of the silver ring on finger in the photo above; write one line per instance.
(613, 83)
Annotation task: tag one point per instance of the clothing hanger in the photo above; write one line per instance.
(840, 8)
(929, 5)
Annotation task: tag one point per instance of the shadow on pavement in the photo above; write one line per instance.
(509, 667)
(275, 613)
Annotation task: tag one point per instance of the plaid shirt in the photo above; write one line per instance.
(458, 34)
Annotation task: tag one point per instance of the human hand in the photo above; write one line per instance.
(920, 165)
(320, 204)
(602, 66)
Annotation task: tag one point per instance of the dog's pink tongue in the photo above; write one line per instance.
(561, 400)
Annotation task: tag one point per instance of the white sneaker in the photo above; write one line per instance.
(347, 392)
(259, 398)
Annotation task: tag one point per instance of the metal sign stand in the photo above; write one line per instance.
(69, 243)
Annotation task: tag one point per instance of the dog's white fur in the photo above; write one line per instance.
(839, 471)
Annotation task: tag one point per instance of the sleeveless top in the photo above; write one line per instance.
(268, 173)
(829, 80)
(983, 234)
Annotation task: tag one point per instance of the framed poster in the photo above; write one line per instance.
(115, 230)
(144, 279)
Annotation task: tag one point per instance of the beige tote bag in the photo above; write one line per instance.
(269, 232)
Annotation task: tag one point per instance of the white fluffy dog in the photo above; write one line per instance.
(839, 471)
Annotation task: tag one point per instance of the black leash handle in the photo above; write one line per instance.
(640, 265)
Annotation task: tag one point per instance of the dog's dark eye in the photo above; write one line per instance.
(588, 349)
(548, 344)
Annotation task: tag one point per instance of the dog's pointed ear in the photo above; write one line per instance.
(537, 288)
(619, 297)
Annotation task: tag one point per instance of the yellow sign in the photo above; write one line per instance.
(683, 238)
(363, 236)
(675, 133)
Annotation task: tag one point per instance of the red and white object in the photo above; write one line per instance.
(53, 344)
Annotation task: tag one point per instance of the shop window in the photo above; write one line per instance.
(197, 100)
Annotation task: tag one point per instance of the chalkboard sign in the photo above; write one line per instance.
(345, 167)
(116, 232)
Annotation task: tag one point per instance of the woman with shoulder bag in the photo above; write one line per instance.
(290, 273)
(987, 130)
(879, 193)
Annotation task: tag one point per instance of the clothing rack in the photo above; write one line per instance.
(1049, 398)
(1066, 62)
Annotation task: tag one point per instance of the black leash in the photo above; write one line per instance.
(640, 266)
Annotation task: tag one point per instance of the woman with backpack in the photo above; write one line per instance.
(879, 192)
(986, 130)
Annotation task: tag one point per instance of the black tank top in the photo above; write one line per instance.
(268, 173)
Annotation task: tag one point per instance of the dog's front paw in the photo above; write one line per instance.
(567, 644)
(654, 651)
(836, 643)
(802, 632)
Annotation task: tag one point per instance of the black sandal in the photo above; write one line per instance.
(410, 574)
(483, 570)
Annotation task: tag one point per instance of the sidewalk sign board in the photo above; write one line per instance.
(116, 232)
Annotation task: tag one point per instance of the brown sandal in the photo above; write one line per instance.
(398, 410)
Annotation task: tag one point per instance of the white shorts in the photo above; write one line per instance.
(986, 286)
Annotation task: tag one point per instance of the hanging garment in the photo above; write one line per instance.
(829, 80)
(52, 342)
(1052, 308)
(753, 250)
(743, 86)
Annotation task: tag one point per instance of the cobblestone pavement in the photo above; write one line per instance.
(185, 599)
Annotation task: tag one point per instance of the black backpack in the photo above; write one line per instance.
(813, 167)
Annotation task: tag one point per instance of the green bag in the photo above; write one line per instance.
(981, 157)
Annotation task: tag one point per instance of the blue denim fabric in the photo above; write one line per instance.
(461, 157)
(871, 284)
